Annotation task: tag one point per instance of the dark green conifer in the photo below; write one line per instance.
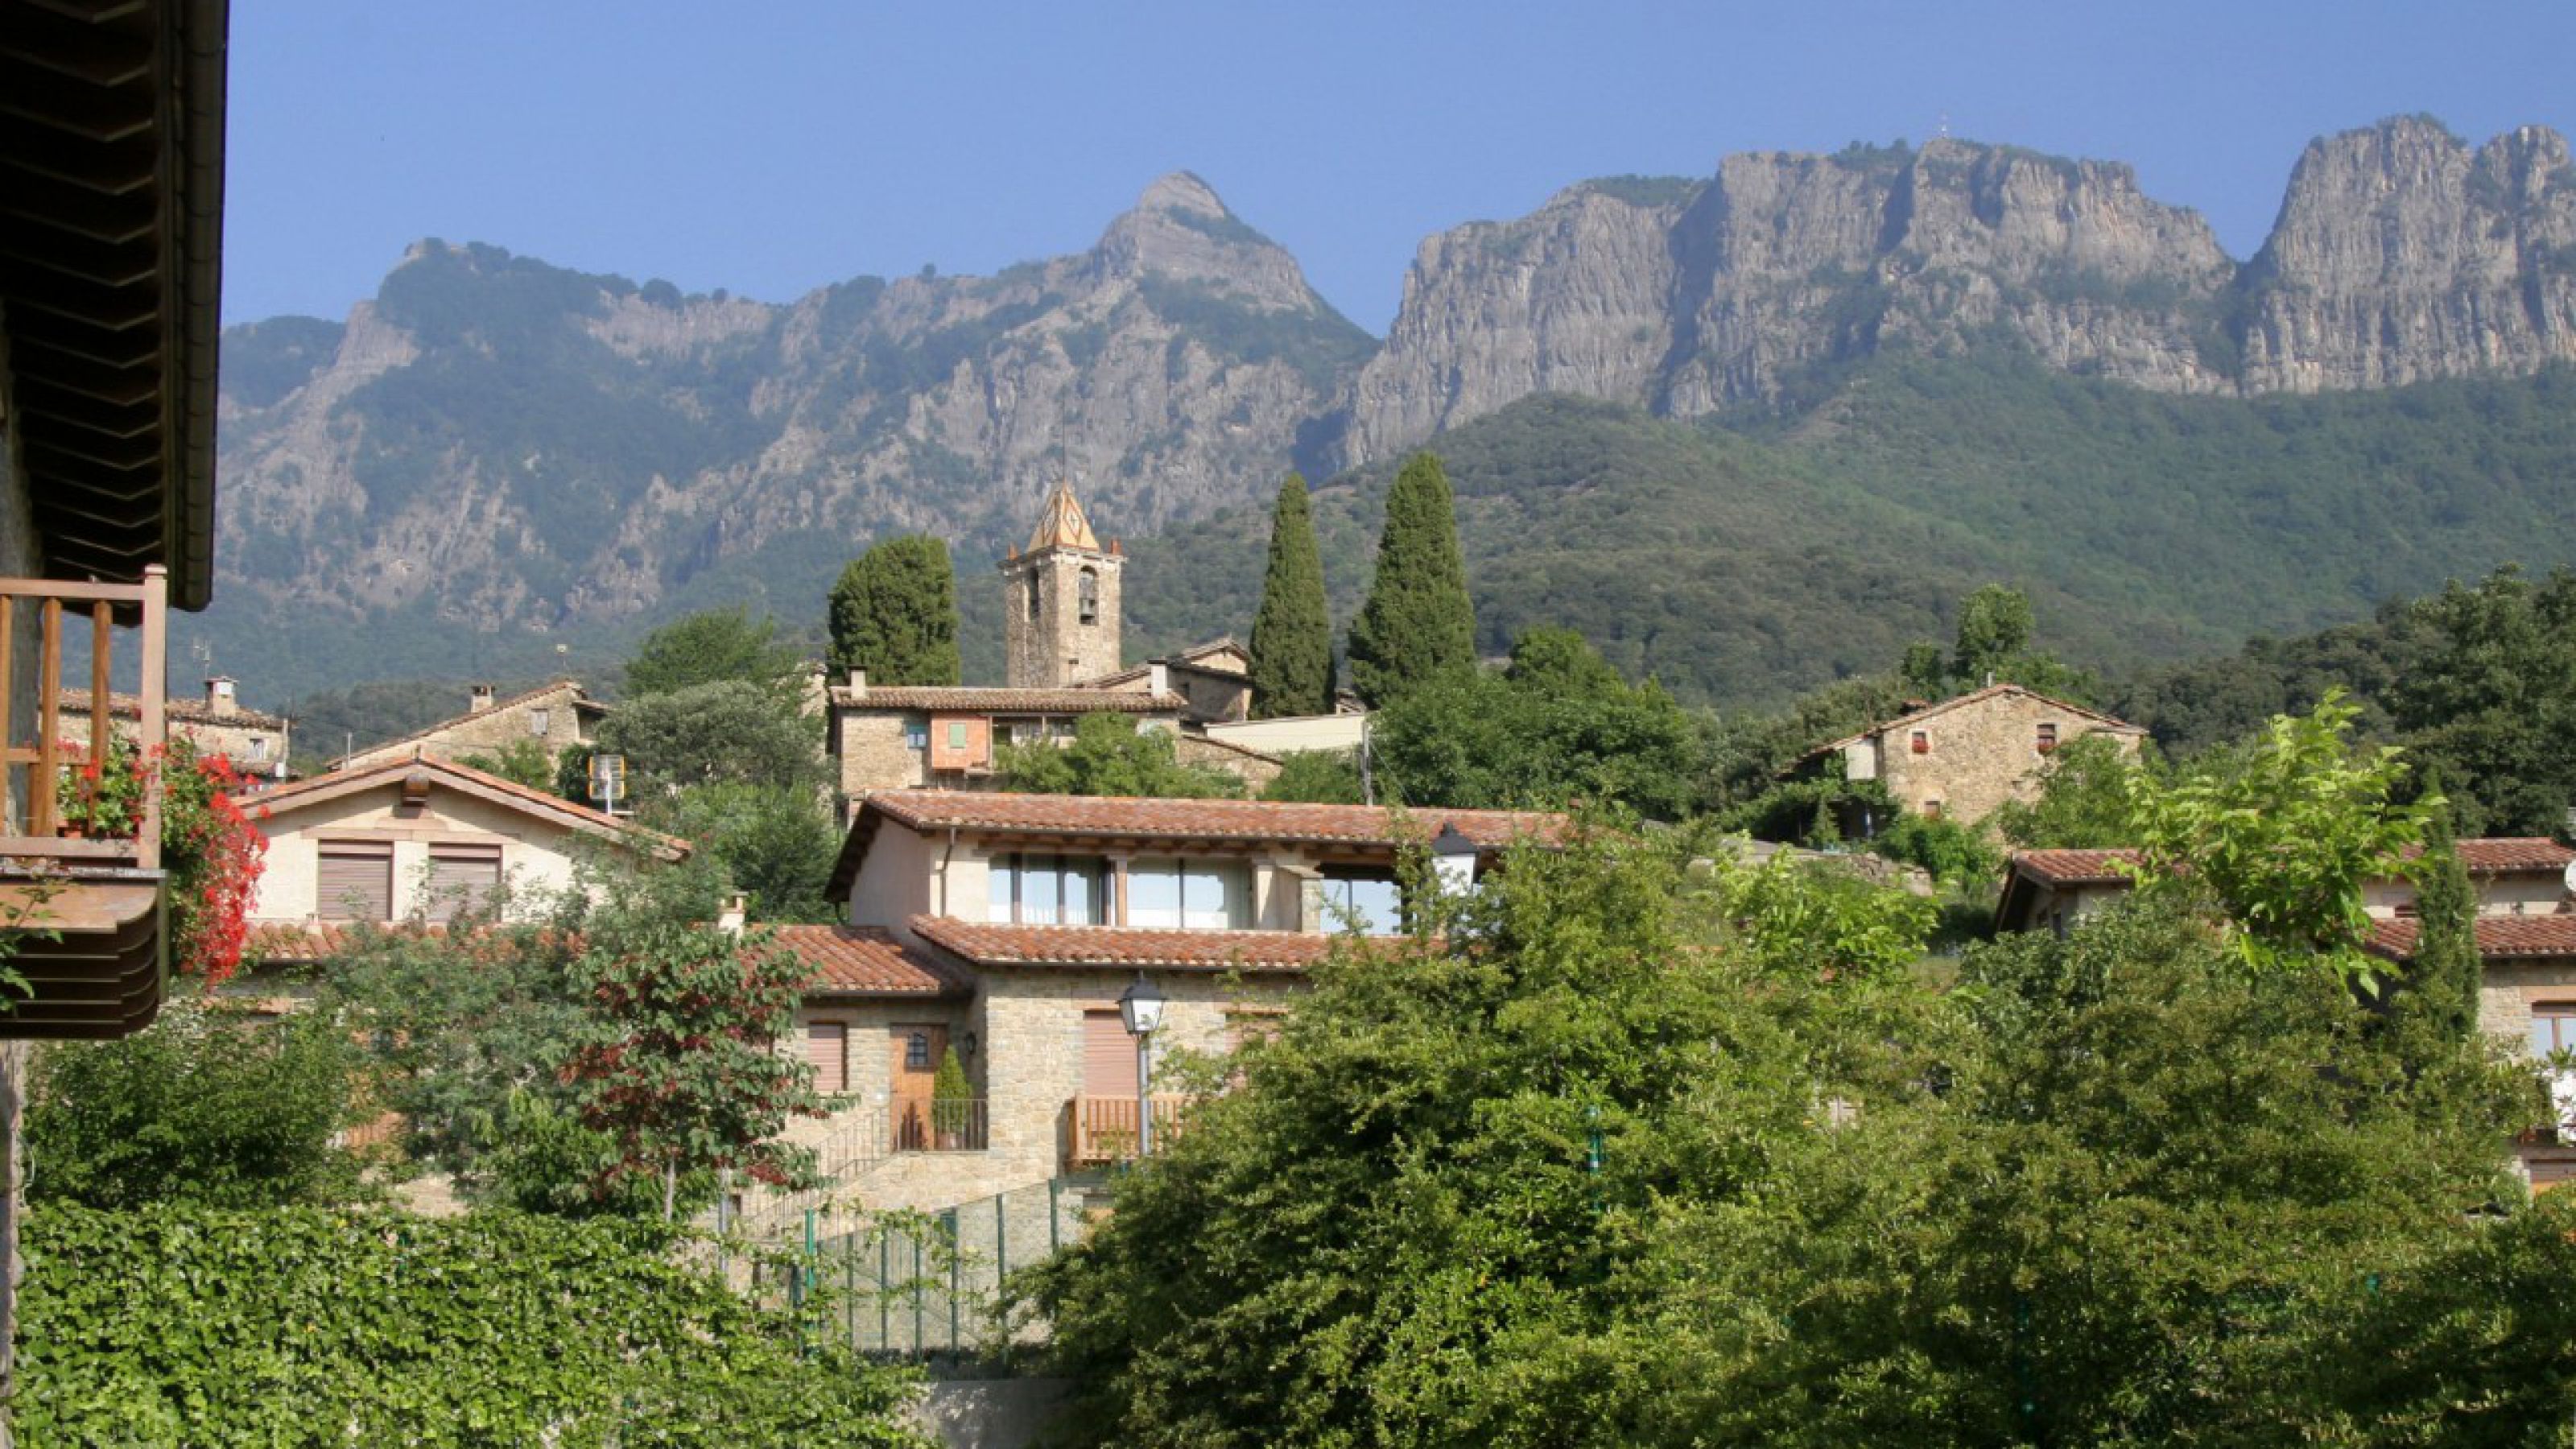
(2442, 989)
(894, 614)
(1292, 635)
(1417, 621)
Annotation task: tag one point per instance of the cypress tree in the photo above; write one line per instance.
(1292, 635)
(1417, 621)
(894, 613)
(2443, 986)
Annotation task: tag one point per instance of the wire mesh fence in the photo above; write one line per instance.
(919, 1284)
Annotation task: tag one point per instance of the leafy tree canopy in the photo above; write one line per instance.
(1317, 777)
(716, 646)
(726, 731)
(1111, 754)
(894, 613)
(2084, 798)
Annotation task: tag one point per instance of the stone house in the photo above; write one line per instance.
(1061, 637)
(1004, 927)
(2526, 938)
(420, 837)
(559, 716)
(256, 742)
(1961, 758)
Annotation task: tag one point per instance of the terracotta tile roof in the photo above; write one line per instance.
(2500, 938)
(862, 961)
(1235, 820)
(2512, 855)
(192, 710)
(1978, 696)
(989, 945)
(324, 786)
(978, 699)
(1062, 525)
(2075, 867)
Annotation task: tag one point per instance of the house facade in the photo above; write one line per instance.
(1961, 758)
(1005, 927)
(256, 742)
(557, 717)
(418, 839)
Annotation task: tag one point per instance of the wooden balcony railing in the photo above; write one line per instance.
(1101, 1130)
(33, 754)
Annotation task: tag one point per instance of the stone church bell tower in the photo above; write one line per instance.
(1060, 610)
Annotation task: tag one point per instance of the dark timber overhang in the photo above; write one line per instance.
(111, 239)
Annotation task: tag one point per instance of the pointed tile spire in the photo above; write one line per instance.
(1062, 525)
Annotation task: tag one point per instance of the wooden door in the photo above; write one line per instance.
(913, 1070)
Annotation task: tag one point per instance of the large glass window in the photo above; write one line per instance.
(1047, 890)
(1367, 900)
(1189, 895)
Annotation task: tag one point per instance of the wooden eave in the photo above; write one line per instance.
(111, 205)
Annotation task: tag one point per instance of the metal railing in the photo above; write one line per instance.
(38, 807)
(954, 1125)
(1100, 1131)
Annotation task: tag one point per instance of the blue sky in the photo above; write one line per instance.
(772, 146)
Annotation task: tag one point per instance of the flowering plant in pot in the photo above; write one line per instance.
(101, 797)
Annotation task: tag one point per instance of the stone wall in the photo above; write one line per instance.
(495, 729)
(1053, 648)
(2511, 988)
(1979, 755)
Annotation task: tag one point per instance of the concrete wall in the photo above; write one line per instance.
(902, 876)
(534, 852)
(1296, 732)
(490, 732)
(1979, 755)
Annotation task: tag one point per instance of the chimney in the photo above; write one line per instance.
(736, 913)
(481, 701)
(1158, 678)
(859, 683)
(219, 696)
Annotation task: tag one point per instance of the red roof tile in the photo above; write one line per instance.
(287, 797)
(191, 710)
(1237, 820)
(861, 961)
(2513, 855)
(975, 699)
(990, 945)
(2076, 867)
(2109, 722)
(2500, 938)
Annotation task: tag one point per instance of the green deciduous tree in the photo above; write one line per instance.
(2280, 836)
(677, 1063)
(522, 762)
(714, 646)
(2491, 697)
(1417, 622)
(775, 843)
(1994, 630)
(894, 613)
(1111, 754)
(2083, 804)
(1292, 634)
(730, 730)
(1317, 777)
(202, 1107)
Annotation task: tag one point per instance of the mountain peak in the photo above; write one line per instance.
(1184, 192)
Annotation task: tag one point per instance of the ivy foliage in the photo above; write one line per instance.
(302, 1327)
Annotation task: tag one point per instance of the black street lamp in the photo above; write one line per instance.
(1140, 1007)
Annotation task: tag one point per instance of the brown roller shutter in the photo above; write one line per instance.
(355, 881)
(827, 1046)
(1108, 1057)
(460, 878)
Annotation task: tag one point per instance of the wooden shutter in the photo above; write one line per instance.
(461, 877)
(355, 881)
(827, 1046)
(1108, 1057)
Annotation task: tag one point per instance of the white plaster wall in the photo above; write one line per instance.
(1293, 733)
(534, 853)
(899, 878)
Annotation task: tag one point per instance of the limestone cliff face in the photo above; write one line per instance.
(2402, 254)
(525, 446)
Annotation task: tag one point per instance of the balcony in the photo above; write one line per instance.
(88, 915)
(933, 1126)
(1101, 1131)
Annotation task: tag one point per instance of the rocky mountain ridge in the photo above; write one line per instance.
(502, 446)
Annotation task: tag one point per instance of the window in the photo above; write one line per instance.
(1087, 596)
(957, 734)
(1922, 742)
(916, 1052)
(461, 878)
(1931, 809)
(1366, 899)
(539, 719)
(916, 735)
(356, 881)
(1048, 890)
(827, 1046)
(1032, 592)
(2553, 1027)
(1109, 1060)
(258, 747)
(1189, 895)
(2047, 736)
